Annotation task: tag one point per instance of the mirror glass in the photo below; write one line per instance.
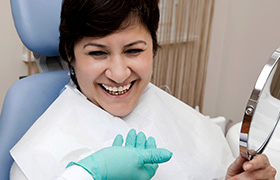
(262, 111)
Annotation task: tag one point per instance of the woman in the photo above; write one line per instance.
(110, 46)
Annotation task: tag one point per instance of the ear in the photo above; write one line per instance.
(70, 59)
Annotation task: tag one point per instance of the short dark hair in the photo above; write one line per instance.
(98, 18)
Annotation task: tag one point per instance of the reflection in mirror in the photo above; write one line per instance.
(262, 112)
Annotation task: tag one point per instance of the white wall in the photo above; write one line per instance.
(244, 35)
(11, 65)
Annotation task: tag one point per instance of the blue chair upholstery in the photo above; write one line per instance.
(25, 101)
(37, 23)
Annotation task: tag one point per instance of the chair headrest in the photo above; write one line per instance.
(37, 23)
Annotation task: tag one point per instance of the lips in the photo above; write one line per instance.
(117, 90)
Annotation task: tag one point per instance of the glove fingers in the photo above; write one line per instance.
(118, 141)
(151, 143)
(130, 139)
(155, 156)
(140, 140)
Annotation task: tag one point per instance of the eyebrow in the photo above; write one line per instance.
(94, 44)
(126, 46)
(136, 42)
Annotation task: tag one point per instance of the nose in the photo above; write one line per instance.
(118, 70)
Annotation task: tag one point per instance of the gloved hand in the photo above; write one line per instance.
(138, 159)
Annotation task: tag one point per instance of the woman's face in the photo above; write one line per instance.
(114, 70)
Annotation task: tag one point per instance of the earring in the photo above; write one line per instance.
(73, 77)
(72, 72)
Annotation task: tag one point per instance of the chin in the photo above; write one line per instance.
(121, 114)
(124, 112)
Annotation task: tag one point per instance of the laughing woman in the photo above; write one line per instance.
(109, 46)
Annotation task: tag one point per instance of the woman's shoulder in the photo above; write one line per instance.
(156, 95)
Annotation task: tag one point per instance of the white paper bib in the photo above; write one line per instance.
(73, 128)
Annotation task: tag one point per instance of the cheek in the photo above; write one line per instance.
(87, 69)
(146, 66)
(143, 68)
(143, 65)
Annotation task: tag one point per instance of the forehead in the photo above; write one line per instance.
(130, 33)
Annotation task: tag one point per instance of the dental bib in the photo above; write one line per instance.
(73, 128)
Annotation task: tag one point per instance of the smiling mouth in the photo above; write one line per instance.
(116, 91)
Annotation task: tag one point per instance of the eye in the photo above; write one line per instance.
(98, 54)
(133, 51)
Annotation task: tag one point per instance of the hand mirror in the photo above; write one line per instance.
(262, 111)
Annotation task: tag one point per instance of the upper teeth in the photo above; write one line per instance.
(116, 89)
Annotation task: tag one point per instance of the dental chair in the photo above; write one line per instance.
(37, 23)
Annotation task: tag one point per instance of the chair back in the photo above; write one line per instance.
(37, 23)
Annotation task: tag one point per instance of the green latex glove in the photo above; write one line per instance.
(138, 159)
